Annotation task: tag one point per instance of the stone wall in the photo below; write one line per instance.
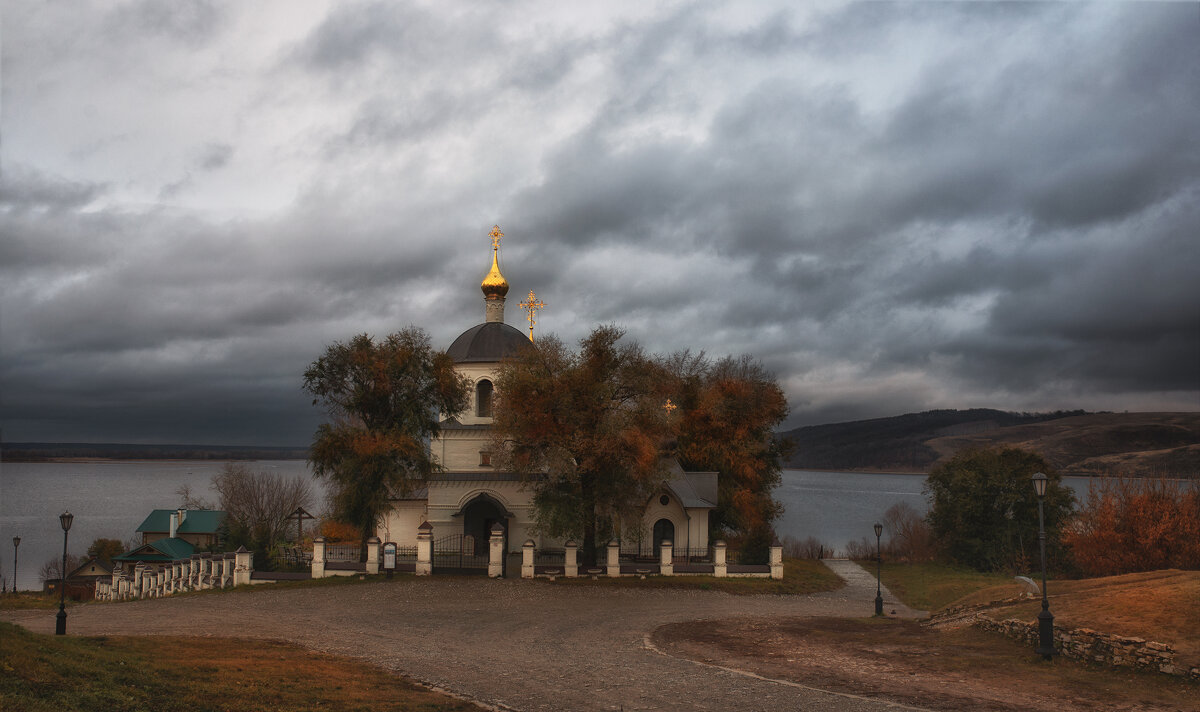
(1078, 643)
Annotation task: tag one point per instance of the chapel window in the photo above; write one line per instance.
(483, 399)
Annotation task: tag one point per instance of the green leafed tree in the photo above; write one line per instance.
(106, 549)
(383, 401)
(585, 430)
(983, 508)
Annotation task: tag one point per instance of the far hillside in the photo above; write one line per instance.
(1132, 444)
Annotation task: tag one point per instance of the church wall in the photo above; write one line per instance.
(400, 524)
(698, 527)
(459, 451)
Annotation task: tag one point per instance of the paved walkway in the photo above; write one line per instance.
(520, 645)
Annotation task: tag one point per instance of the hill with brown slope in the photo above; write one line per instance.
(1128, 444)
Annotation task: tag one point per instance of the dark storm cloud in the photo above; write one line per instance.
(894, 206)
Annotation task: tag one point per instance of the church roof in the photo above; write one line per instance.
(487, 342)
(694, 489)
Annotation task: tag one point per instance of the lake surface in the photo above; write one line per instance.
(110, 499)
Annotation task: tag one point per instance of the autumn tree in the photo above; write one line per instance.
(584, 430)
(1129, 525)
(383, 401)
(728, 412)
(984, 509)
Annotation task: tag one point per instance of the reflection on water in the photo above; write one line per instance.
(840, 507)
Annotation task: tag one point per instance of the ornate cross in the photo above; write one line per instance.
(495, 234)
(532, 305)
(669, 407)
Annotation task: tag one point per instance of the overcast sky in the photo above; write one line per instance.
(895, 207)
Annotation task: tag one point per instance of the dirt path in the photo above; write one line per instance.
(514, 644)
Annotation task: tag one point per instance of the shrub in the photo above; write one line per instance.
(862, 549)
(810, 548)
(1130, 525)
(910, 538)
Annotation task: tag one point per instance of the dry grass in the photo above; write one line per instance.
(1163, 606)
(42, 672)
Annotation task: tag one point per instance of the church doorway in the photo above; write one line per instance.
(478, 517)
(664, 530)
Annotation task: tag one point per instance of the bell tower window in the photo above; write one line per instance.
(483, 399)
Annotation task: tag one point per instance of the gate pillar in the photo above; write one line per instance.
(424, 565)
(614, 558)
(720, 569)
(666, 565)
(318, 562)
(496, 551)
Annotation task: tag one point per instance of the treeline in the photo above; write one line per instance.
(896, 443)
(46, 452)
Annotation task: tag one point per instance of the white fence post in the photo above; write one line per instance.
(614, 558)
(776, 561)
(570, 559)
(372, 556)
(424, 565)
(496, 552)
(720, 570)
(318, 562)
(243, 566)
(666, 562)
(527, 559)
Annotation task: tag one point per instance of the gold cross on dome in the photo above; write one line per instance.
(532, 305)
(669, 406)
(495, 234)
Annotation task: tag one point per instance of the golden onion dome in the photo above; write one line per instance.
(494, 285)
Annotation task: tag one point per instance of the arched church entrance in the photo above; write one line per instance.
(478, 517)
(664, 530)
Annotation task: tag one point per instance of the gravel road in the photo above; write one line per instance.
(512, 644)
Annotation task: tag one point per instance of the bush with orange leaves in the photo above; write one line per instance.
(1130, 525)
(336, 532)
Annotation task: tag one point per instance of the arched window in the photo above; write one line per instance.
(483, 399)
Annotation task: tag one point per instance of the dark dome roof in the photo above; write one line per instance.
(491, 341)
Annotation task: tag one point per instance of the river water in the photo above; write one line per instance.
(110, 499)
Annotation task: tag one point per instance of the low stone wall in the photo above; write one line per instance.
(1078, 643)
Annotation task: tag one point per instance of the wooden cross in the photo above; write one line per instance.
(533, 306)
(669, 407)
(495, 234)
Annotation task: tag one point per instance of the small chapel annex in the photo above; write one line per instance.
(469, 495)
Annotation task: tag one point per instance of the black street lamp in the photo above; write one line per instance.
(16, 543)
(60, 628)
(1045, 618)
(878, 571)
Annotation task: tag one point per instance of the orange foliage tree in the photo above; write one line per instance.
(383, 400)
(584, 430)
(728, 413)
(1130, 525)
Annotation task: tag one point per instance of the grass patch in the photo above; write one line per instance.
(800, 576)
(42, 672)
(930, 586)
(26, 601)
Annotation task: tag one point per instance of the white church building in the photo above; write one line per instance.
(469, 495)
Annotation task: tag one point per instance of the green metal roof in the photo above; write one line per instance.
(161, 550)
(196, 521)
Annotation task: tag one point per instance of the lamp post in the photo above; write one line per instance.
(60, 628)
(16, 543)
(878, 571)
(1045, 618)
